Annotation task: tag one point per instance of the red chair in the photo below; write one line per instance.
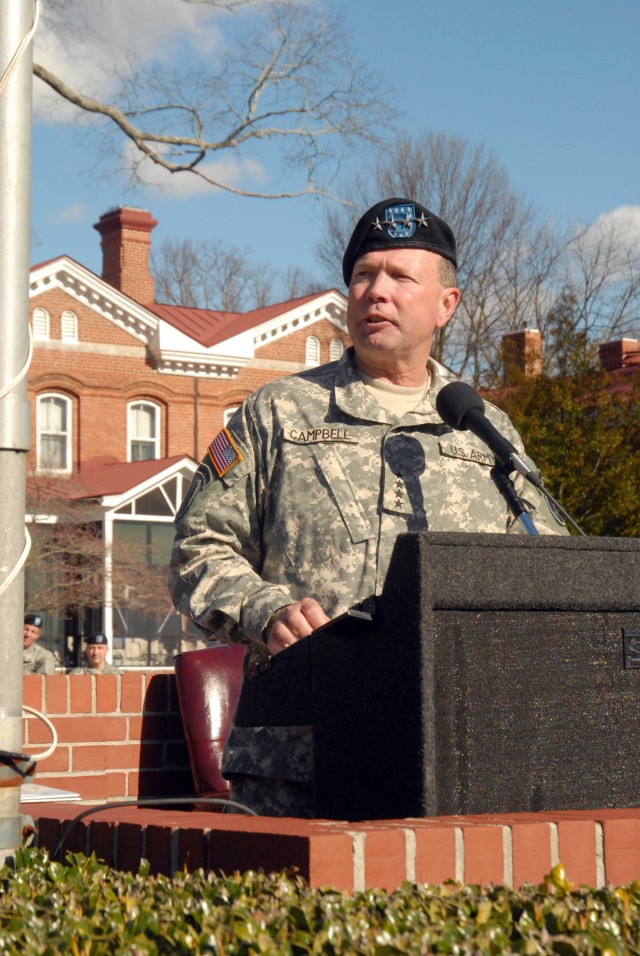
(209, 681)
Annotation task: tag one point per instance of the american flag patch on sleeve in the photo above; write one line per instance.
(223, 453)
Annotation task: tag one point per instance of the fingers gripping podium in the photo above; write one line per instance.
(492, 678)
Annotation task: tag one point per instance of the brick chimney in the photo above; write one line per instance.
(619, 354)
(522, 353)
(126, 239)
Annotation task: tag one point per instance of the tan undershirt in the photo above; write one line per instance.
(396, 398)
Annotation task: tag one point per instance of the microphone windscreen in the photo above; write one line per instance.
(454, 401)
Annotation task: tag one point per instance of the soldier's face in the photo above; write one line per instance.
(96, 655)
(31, 634)
(396, 302)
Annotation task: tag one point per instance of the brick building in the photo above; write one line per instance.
(126, 395)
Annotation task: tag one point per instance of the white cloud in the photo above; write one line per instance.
(91, 46)
(77, 212)
(625, 220)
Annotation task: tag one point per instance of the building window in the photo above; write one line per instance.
(40, 324)
(54, 433)
(229, 413)
(336, 348)
(313, 351)
(69, 327)
(144, 431)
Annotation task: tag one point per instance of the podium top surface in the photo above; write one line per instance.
(491, 571)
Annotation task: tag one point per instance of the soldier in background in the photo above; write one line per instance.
(293, 514)
(35, 659)
(96, 648)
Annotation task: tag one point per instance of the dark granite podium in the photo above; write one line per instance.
(499, 674)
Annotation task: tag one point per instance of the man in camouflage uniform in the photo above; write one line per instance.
(35, 659)
(96, 648)
(292, 516)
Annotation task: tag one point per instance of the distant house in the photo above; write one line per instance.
(126, 395)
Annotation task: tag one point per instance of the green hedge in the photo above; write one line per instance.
(84, 908)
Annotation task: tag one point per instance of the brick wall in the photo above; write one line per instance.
(101, 382)
(118, 735)
(595, 847)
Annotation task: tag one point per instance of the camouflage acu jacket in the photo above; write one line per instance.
(38, 660)
(306, 491)
(305, 494)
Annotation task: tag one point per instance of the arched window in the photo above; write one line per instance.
(229, 413)
(69, 326)
(313, 351)
(54, 433)
(40, 324)
(144, 431)
(336, 348)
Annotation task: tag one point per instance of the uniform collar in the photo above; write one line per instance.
(353, 398)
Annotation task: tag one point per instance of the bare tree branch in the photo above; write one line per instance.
(287, 77)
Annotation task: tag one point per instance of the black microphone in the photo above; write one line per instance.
(460, 407)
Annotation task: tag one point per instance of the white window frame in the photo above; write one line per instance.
(157, 422)
(41, 325)
(228, 414)
(68, 433)
(312, 351)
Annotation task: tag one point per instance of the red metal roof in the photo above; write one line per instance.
(100, 477)
(208, 327)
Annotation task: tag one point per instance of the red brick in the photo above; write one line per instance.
(33, 691)
(98, 787)
(158, 848)
(483, 854)
(621, 850)
(331, 861)
(577, 850)
(385, 858)
(177, 754)
(131, 693)
(102, 840)
(161, 783)
(156, 727)
(435, 854)
(56, 694)
(238, 850)
(107, 687)
(128, 847)
(90, 757)
(81, 694)
(531, 846)
(192, 848)
(58, 762)
(156, 698)
(83, 730)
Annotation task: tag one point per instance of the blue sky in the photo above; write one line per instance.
(552, 87)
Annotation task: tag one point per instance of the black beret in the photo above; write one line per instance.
(398, 223)
(96, 639)
(34, 619)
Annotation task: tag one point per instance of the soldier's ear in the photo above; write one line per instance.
(448, 305)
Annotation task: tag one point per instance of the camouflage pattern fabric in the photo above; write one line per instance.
(305, 494)
(325, 482)
(284, 753)
(38, 660)
(271, 798)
